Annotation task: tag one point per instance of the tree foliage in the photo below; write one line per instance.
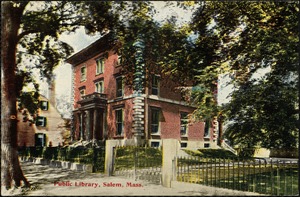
(42, 23)
(236, 37)
(30, 41)
(245, 38)
(163, 43)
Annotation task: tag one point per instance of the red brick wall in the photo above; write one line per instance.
(110, 71)
(127, 107)
(26, 133)
(170, 121)
(167, 90)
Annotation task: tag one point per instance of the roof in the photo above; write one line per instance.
(104, 43)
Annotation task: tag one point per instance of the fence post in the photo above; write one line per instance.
(135, 157)
(94, 159)
(109, 156)
(170, 147)
(174, 168)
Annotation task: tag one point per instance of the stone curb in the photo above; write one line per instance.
(211, 190)
(58, 164)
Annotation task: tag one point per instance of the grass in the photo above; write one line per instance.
(139, 157)
(246, 175)
(267, 181)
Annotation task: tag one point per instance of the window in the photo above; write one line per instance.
(155, 144)
(83, 73)
(119, 61)
(41, 121)
(119, 121)
(99, 87)
(154, 120)
(206, 128)
(82, 93)
(40, 139)
(206, 145)
(44, 105)
(155, 84)
(100, 66)
(183, 123)
(183, 145)
(119, 84)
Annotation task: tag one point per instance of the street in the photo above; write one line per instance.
(48, 181)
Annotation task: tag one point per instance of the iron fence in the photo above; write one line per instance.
(275, 177)
(139, 163)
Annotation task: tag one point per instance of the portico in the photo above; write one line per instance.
(89, 118)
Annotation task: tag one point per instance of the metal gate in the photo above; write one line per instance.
(138, 163)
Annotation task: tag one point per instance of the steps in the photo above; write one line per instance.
(228, 147)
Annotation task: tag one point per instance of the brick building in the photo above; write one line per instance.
(45, 128)
(106, 108)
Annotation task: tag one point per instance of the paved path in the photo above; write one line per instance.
(48, 181)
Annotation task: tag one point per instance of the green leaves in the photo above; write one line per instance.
(243, 38)
(263, 114)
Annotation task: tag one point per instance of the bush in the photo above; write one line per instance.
(285, 153)
(50, 153)
(246, 152)
(213, 153)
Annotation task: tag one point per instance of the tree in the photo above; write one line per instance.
(10, 167)
(31, 32)
(30, 40)
(165, 47)
(244, 38)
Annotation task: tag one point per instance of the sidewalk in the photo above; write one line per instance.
(48, 181)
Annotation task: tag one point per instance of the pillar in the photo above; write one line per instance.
(87, 125)
(81, 126)
(170, 151)
(138, 119)
(110, 146)
(95, 120)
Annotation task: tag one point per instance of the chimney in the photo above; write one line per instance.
(51, 92)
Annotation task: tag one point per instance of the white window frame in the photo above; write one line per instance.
(182, 124)
(119, 60)
(152, 142)
(82, 93)
(83, 72)
(99, 86)
(41, 121)
(155, 86)
(122, 88)
(206, 128)
(119, 123)
(100, 65)
(157, 125)
(44, 105)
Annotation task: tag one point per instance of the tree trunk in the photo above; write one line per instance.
(11, 172)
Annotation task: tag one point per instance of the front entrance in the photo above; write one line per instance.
(89, 119)
(89, 124)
